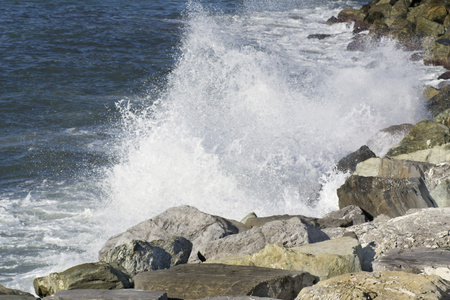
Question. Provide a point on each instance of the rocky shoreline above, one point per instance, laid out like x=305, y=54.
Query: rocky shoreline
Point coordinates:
x=389, y=240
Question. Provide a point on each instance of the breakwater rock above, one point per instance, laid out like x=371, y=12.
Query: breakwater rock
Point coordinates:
x=280, y=270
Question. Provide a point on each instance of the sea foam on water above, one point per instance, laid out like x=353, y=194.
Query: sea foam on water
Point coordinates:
x=255, y=116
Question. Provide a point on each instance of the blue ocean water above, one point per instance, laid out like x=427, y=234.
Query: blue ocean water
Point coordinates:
x=112, y=111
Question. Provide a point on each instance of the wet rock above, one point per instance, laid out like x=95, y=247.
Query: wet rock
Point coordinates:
x=319, y=36
x=13, y=294
x=184, y=221
x=383, y=140
x=90, y=294
x=440, y=102
x=196, y=281
x=379, y=285
x=416, y=260
x=139, y=256
x=324, y=259
x=348, y=163
x=85, y=276
x=291, y=232
x=445, y=75
x=350, y=15
x=426, y=27
x=429, y=92
x=423, y=135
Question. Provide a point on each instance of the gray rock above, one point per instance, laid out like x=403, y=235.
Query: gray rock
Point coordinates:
x=379, y=285
x=416, y=260
x=348, y=163
x=140, y=256
x=185, y=221
x=351, y=212
x=418, y=228
x=196, y=281
x=13, y=294
x=128, y=294
x=287, y=233
x=320, y=223
x=86, y=276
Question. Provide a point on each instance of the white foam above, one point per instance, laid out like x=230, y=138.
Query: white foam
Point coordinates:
x=253, y=119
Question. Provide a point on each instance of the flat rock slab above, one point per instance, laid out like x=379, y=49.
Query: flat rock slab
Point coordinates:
x=197, y=281
x=416, y=260
x=127, y=294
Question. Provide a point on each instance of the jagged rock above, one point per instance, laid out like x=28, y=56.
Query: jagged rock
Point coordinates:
x=443, y=118
x=383, y=140
x=351, y=212
x=86, y=276
x=429, y=92
x=416, y=260
x=419, y=228
x=350, y=15
x=435, y=155
x=324, y=259
x=13, y=294
x=386, y=186
x=139, y=256
x=438, y=53
x=196, y=281
x=348, y=163
x=379, y=285
x=425, y=27
x=287, y=233
x=185, y=221
x=127, y=294
x=423, y=135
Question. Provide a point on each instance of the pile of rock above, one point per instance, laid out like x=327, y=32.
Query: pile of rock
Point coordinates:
x=279, y=257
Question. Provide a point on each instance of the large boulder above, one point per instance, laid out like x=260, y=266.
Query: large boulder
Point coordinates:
x=85, y=276
x=184, y=221
x=13, y=294
x=379, y=285
x=416, y=260
x=126, y=294
x=348, y=163
x=325, y=259
x=386, y=186
x=418, y=228
x=287, y=233
x=140, y=256
x=441, y=102
x=424, y=135
x=196, y=281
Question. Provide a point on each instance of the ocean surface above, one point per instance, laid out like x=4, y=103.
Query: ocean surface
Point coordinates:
x=113, y=111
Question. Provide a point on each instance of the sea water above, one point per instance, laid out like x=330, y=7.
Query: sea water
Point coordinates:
x=112, y=112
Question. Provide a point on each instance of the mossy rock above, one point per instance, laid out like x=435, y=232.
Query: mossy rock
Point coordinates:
x=443, y=118
x=440, y=102
x=351, y=15
x=424, y=135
